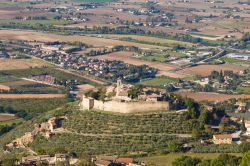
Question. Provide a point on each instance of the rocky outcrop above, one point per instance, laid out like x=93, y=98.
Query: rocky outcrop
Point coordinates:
x=46, y=129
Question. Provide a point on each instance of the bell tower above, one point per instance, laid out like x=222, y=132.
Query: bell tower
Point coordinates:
x=118, y=86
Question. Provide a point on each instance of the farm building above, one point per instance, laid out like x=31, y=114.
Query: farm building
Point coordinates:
x=222, y=139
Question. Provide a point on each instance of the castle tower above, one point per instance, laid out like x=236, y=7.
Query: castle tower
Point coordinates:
x=118, y=86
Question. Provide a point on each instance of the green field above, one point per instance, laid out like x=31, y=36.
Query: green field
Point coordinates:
x=166, y=160
x=243, y=90
x=158, y=81
x=35, y=22
x=204, y=35
x=13, y=121
x=235, y=61
x=159, y=58
x=7, y=79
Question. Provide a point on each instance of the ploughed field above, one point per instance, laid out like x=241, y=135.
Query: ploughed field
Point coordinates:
x=10, y=64
x=6, y=117
x=46, y=37
x=201, y=96
x=205, y=70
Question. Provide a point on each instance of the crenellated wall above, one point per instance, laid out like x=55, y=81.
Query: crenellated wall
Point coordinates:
x=124, y=107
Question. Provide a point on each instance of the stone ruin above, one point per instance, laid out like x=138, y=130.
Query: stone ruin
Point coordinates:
x=46, y=129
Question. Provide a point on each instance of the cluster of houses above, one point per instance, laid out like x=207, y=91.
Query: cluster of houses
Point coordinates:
x=233, y=137
x=46, y=159
x=240, y=107
x=106, y=69
x=64, y=158
x=9, y=55
x=224, y=82
x=242, y=56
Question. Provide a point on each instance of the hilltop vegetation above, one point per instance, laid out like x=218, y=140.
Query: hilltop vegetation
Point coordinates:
x=94, y=132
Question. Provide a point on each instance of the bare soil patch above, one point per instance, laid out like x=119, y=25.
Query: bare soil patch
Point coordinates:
x=4, y=87
x=205, y=70
x=46, y=37
x=18, y=83
x=201, y=96
x=5, y=117
x=11, y=64
x=85, y=87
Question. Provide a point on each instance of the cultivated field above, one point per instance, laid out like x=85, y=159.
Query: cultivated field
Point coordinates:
x=165, y=42
x=85, y=87
x=205, y=70
x=18, y=83
x=45, y=37
x=5, y=117
x=201, y=96
x=11, y=64
x=4, y=87
x=31, y=96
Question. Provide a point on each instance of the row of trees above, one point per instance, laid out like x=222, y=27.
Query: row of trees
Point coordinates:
x=221, y=160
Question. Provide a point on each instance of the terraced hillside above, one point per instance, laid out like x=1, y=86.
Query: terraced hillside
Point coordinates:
x=95, y=132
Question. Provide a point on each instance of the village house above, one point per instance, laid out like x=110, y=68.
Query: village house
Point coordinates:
x=247, y=125
x=242, y=107
x=33, y=160
x=222, y=139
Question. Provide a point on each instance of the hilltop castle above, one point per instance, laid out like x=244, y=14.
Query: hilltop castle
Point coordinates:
x=123, y=103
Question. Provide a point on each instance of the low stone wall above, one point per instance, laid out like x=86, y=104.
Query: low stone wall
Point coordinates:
x=126, y=107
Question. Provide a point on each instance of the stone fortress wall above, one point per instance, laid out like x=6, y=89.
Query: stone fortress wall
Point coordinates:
x=124, y=107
